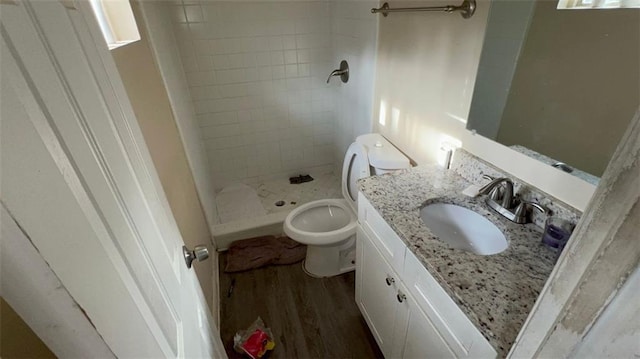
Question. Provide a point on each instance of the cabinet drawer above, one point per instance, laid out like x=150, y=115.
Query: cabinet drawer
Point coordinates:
x=381, y=234
x=453, y=325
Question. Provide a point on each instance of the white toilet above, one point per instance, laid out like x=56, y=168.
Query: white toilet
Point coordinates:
x=328, y=226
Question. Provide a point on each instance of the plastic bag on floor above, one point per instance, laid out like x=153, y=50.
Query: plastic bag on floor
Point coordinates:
x=255, y=341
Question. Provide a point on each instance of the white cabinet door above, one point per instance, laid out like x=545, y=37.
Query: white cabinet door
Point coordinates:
x=462, y=337
x=417, y=337
x=376, y=285
x=400, y=327
x=78, y=179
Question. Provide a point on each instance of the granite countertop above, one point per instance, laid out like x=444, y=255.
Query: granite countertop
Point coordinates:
x=496, y=292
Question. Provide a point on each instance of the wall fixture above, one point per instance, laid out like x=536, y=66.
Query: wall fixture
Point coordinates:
x=467, y=9
x=343, y=72
x=445, y=154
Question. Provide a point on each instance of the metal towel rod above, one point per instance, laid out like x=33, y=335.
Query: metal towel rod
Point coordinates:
x=467, y=9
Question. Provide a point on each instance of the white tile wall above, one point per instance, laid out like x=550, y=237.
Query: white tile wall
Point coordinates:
x=354, y=35
x=256, y=73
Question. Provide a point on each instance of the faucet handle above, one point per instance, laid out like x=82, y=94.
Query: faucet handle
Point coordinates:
x=497, y=193
x=521, y=209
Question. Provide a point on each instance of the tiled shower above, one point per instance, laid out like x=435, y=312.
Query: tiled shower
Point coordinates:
x=256, y=74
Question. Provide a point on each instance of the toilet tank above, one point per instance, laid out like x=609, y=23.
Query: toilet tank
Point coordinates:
x=383, y=156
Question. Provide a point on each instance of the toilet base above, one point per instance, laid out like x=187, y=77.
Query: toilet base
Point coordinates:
x=330, y=261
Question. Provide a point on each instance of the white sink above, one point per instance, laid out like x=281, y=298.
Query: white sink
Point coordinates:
x=463, y=228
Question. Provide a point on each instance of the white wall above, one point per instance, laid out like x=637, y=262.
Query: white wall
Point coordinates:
x=426, y=70
x=256, y=72
x=615, y=333
x=354, y=37
x=165, y=51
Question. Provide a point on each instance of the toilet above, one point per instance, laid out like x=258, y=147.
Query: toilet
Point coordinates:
x=328, y=226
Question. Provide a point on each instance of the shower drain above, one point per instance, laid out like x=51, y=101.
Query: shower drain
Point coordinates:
x=279, y=203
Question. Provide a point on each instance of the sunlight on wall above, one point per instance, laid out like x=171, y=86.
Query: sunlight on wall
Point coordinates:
x=428, y=139
x=395, y=119
x=382, y=118
x=432, y=143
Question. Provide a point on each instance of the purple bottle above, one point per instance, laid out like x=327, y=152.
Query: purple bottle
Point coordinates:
x=557, y=232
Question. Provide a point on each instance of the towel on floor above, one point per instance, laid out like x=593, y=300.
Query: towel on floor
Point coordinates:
x=260, y=251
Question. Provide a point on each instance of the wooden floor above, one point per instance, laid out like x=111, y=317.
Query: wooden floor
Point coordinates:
x=309, y=317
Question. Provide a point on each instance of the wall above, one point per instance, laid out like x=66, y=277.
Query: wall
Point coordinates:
x=427, y=64
x=576, y=86
x=257, y=72
x=615, y=333
x=151, y=105
x=17, y=340
x=354, y=37
x=165, y=50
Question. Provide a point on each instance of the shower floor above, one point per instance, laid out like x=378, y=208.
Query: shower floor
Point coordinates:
x=240, y=202
x=293, y=195
x=246, y=211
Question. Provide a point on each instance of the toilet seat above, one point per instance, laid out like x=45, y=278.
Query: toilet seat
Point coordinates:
x=354, y=167
x=305, y=224
x=321, y=223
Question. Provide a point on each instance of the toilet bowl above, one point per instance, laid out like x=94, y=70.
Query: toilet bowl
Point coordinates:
x=321, y=223
x=328, y=226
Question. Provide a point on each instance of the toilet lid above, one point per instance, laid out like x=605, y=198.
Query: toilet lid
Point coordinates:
x=355, y=166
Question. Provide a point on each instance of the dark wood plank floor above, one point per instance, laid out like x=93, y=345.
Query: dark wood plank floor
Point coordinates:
x=309, y=317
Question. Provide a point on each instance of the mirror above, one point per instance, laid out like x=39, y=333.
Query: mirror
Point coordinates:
x=560, y=86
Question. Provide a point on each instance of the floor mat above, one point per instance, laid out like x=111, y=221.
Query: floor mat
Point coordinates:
x=260, y=251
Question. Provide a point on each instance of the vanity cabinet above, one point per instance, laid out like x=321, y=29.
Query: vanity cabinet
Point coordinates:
x=376, y=287
x=408, y=312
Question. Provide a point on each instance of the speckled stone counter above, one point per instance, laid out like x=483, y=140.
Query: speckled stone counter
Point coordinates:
x=496, y=292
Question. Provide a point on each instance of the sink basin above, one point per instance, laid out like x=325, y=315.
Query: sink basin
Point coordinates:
x=463, y=228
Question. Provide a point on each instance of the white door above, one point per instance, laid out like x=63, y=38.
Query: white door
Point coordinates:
x=78, y=180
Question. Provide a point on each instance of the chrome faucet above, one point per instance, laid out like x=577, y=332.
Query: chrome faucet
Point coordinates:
x=501, y=199
x=493, y=190
x=343, y=72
